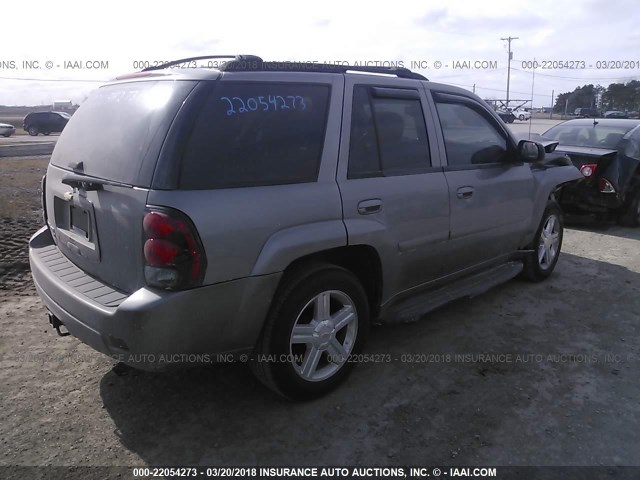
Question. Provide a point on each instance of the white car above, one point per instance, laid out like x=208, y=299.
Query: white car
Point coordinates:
x=522, y=115
x=7, y=130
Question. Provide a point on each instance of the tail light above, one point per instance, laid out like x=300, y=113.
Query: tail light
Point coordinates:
x=605, y=186
x=173, y=253
x=588, y=169
x=43, y=199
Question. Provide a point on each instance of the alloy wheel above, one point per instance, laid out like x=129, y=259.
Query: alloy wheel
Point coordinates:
x=549, y=241
x=323, y=335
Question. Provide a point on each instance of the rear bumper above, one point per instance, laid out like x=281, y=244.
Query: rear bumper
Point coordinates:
x=581, y=197
x=149, y=328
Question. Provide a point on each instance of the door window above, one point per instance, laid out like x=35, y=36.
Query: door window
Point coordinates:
x=469, y=137
x=388, y=135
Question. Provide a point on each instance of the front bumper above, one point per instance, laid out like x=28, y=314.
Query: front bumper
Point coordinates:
x=151, y=329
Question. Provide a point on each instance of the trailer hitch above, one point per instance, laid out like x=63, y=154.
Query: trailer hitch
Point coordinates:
x=53, y=320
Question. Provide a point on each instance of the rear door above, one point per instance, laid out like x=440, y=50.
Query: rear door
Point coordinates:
x=100, y=173
x=394, y=193
x=491, y=194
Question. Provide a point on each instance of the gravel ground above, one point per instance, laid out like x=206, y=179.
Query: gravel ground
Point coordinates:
x=527, y=374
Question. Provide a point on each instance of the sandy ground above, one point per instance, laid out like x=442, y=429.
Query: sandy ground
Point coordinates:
x=527, y=374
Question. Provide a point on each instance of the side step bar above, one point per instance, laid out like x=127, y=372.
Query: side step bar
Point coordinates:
x=412, y=308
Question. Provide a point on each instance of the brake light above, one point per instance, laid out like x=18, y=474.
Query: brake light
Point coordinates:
x=174, y=256
x=588, y=169
x=605, y=186
x=43, y=200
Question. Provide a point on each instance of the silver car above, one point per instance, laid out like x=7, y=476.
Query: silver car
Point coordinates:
x=6, y=130
x=270, y=212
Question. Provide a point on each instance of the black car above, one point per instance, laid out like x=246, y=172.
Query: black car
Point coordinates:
x=507, y=117
x=607, y=152
x=615, y=114
x=586, y=113
x=45, y=122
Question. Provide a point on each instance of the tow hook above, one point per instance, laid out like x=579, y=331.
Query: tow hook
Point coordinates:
x=53, y=320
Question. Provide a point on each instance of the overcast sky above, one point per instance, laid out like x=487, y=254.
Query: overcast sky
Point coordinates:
x=123, y=32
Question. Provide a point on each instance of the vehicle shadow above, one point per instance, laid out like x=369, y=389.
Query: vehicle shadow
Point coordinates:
x=606, y=227
x=419, y=401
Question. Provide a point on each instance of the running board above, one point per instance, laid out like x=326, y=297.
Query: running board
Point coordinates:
x=414, y=307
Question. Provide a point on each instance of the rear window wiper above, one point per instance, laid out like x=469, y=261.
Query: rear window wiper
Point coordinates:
x=83, y=182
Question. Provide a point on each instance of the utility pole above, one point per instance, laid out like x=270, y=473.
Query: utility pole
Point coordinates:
x=508, y=39
x=553, y=92
x=474, y=88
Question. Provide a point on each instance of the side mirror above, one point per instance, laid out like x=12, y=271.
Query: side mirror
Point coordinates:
x=530, y=152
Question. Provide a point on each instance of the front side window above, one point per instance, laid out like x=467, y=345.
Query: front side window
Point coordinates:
x=388, y=136
x=251, y=134
x=469, y=137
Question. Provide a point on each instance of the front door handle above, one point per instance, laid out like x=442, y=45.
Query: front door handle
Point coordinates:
x=367, y=207
x=465, y=192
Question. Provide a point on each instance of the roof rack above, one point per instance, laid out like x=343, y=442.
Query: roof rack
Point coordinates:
x=252, y=64
x=236, y=58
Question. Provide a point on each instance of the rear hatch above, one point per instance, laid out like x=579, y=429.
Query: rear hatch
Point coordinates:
x=100, y=174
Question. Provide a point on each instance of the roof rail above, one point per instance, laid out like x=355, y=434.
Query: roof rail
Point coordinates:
x=236, y=58
x=252, y=64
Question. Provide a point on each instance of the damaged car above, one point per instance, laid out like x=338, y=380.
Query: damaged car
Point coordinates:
x=273, y=211
x=607, y=153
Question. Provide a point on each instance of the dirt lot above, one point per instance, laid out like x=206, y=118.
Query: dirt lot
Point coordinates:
x=543, y=374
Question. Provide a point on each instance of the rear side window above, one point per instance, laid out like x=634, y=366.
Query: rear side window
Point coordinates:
x=252, y=134
x=388, y=136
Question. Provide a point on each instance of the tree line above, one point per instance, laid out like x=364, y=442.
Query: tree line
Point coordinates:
x=617, y=96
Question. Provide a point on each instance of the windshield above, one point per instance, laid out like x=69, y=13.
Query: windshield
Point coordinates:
x=588, y=135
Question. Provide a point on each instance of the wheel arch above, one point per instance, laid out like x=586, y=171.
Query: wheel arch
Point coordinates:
x=363, y=261
x=549, y=182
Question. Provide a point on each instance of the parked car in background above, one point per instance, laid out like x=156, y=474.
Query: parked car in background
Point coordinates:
x=607, y=152
x=506, y=115
x=45, y=122
x=615, y=114
x=634, y=114
x=587, y=113
x=521, y=115
x=6, y=130
x=277, y=209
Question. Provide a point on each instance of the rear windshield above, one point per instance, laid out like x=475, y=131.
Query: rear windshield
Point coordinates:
x=250, y=134
x=118, y=131
x=599, y=136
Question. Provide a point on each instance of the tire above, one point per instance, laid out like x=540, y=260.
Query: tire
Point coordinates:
x=303, y=370
x=6, y=135
x=546, y=244
x=46, y=133
x=631, y=216
x=33, y=131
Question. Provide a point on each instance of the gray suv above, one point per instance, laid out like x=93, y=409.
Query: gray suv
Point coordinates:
x=273, y=211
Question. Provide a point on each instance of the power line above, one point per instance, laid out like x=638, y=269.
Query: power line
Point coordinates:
x=52, y=80
x=578, y=78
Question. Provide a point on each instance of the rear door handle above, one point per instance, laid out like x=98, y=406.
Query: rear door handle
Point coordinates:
x=465, y=192
x=367, y=207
